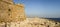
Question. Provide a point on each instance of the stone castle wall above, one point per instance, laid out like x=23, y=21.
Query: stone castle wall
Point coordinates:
x=11, y=24
x=10, y=12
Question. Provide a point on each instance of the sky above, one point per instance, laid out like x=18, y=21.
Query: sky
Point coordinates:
x=41, y=8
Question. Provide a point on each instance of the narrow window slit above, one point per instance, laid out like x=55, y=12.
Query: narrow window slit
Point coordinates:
x=9, y=9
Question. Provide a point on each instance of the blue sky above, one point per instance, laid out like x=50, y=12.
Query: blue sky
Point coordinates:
x=41, y=8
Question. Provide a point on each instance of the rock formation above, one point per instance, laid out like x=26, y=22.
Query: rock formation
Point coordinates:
x=39, y=22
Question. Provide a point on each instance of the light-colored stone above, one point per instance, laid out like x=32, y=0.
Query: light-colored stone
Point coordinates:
x=10, y=12
x=38, y=22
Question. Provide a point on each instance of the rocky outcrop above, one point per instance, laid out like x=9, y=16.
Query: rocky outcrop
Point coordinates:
x=39, y=22
x=32, y=22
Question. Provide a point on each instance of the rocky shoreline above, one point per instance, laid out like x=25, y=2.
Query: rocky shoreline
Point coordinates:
x=33, y=22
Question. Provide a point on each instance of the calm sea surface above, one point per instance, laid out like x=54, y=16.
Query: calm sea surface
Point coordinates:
x=55, y=19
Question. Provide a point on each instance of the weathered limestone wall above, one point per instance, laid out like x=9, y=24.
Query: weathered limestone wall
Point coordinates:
x=4, y=7
x=17, y=12
x=10, y=12
x=7, y=1
x=11, y=24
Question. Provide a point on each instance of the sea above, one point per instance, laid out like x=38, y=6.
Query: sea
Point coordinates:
x=55, y=19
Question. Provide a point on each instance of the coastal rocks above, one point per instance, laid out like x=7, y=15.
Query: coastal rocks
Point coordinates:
x=32, y=22
x=39, y=22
